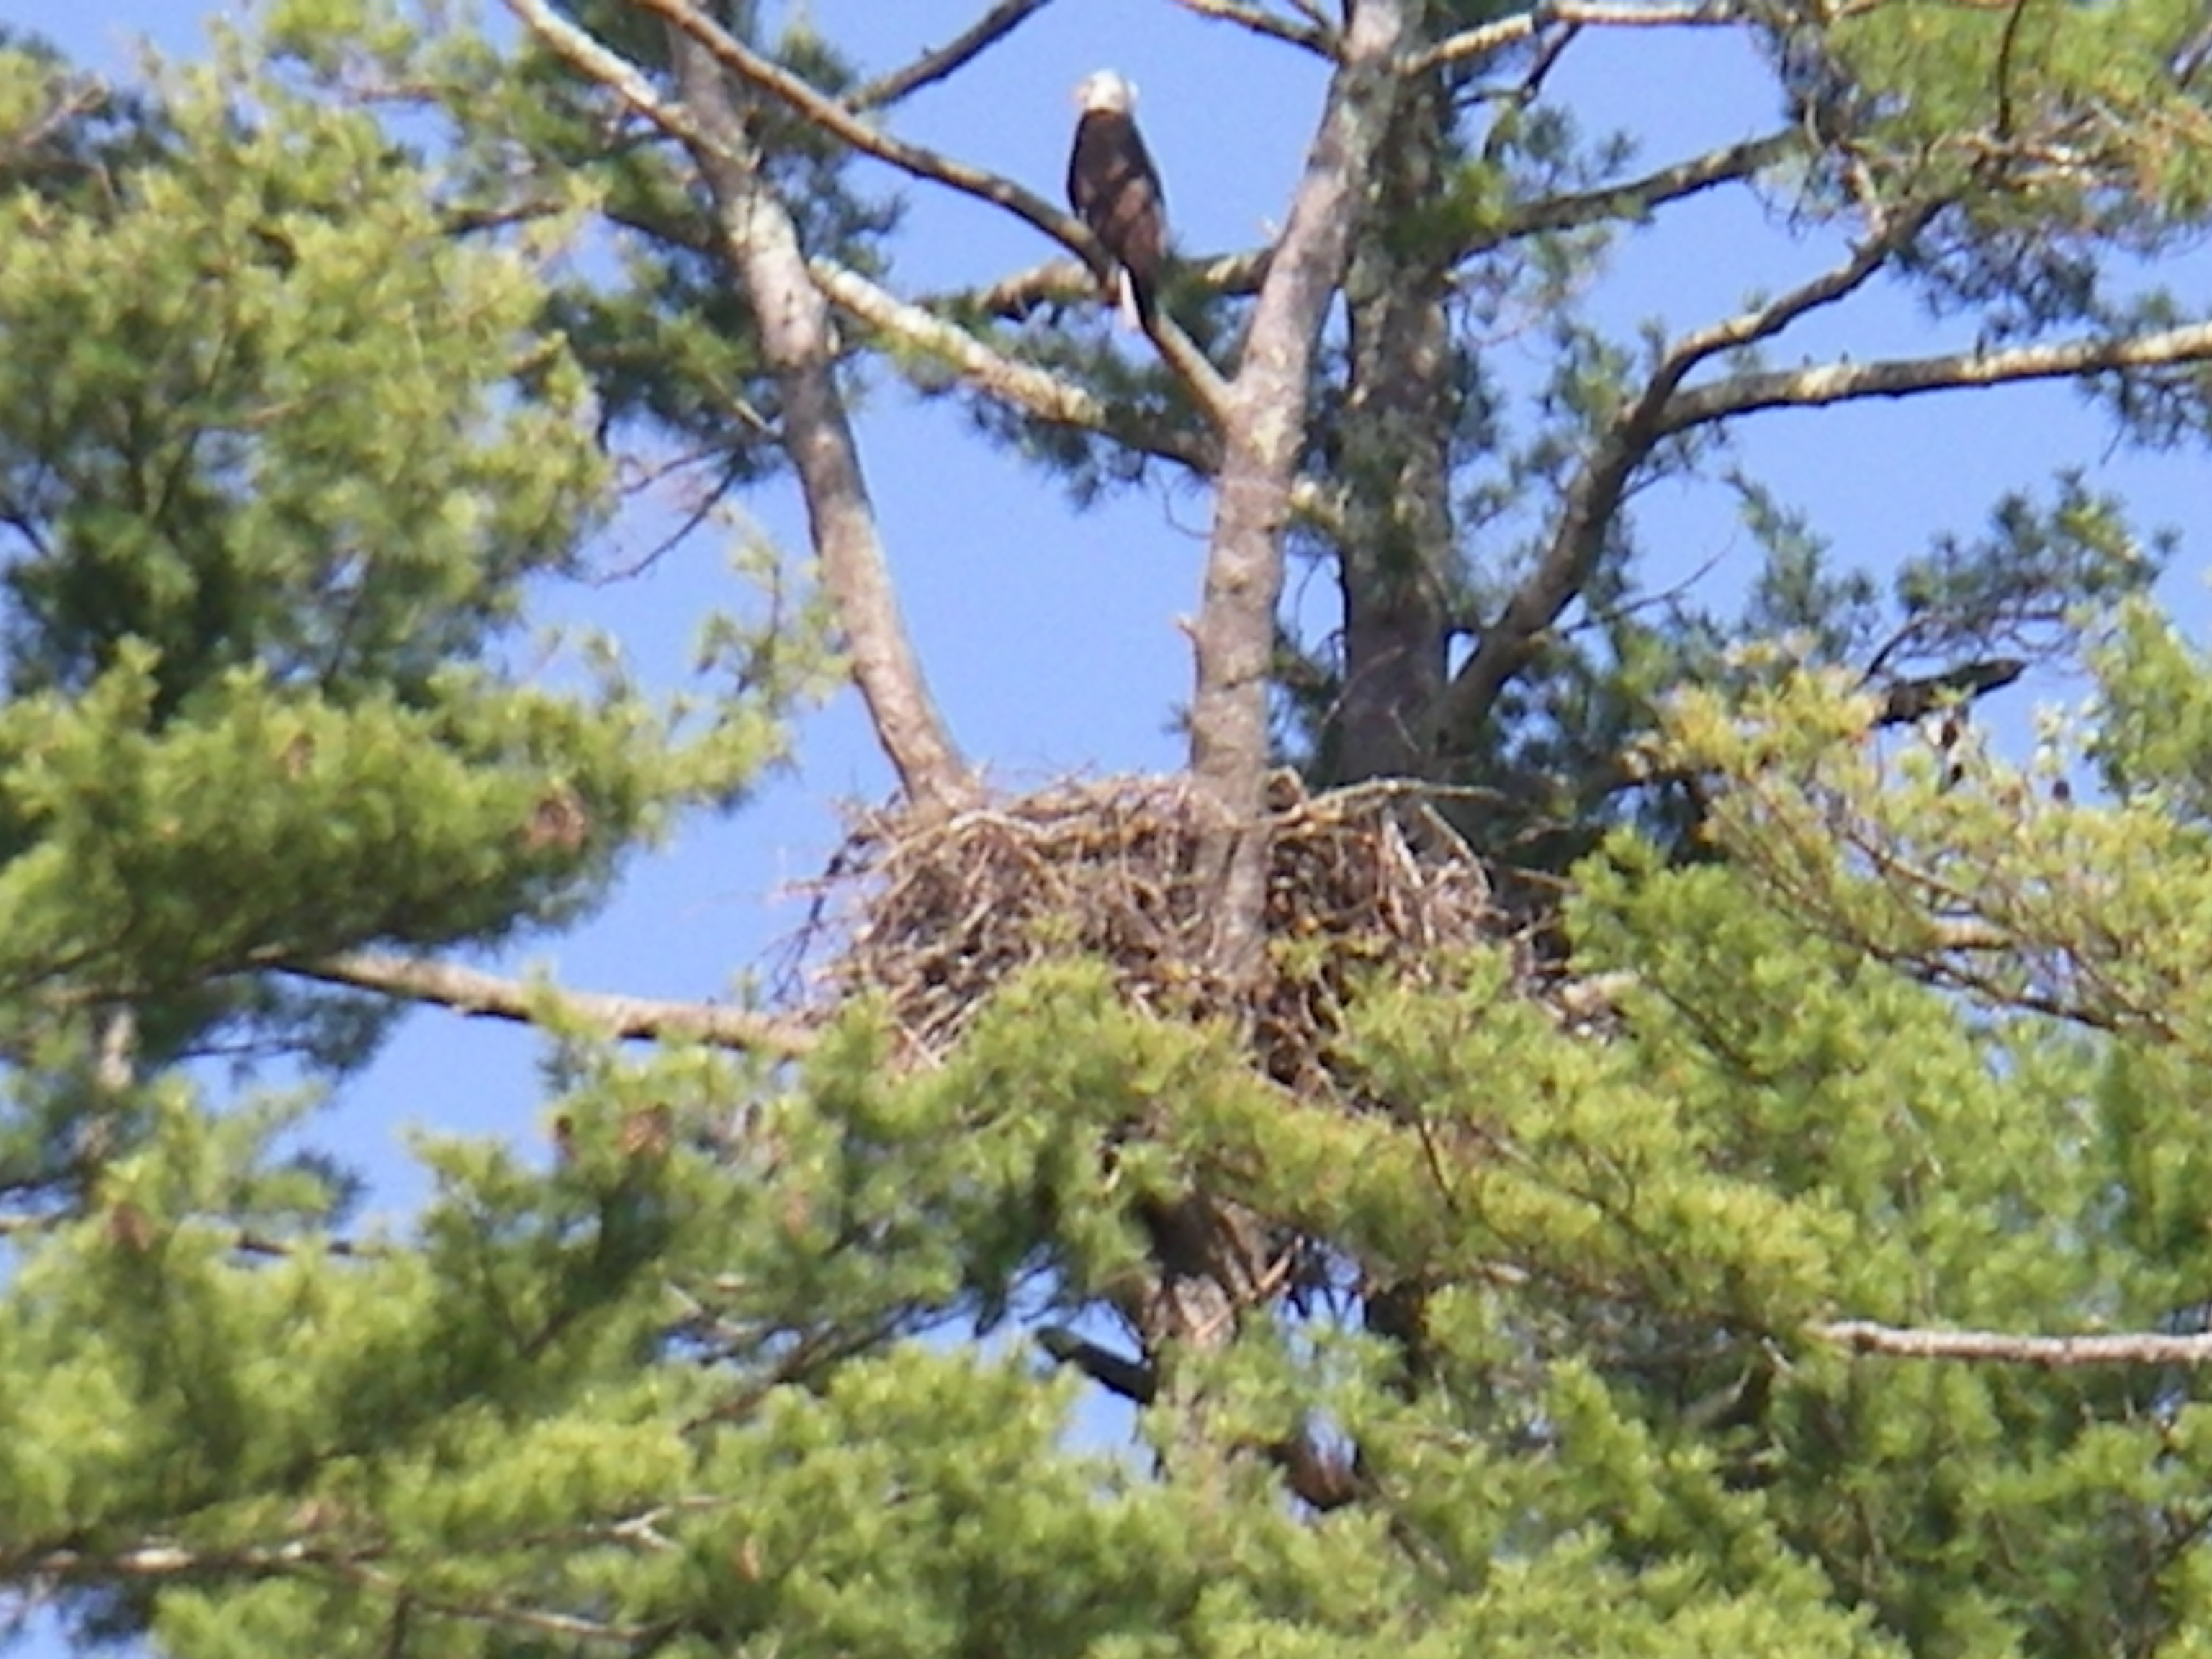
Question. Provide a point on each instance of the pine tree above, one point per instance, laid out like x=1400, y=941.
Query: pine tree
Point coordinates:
x=1567, y=1128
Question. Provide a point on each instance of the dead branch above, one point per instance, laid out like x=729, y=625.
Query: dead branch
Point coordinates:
x=1036, y=391
x=472, y=992
x=2118, y=1348
x=763, y=244
x=1011, y=381
x=1307, y=36
x=986, y=31
x=1481, y=41
x=1822, y=384
x=1235, y=634
x=752, y=70
x=704, y=35
x=1067, y=281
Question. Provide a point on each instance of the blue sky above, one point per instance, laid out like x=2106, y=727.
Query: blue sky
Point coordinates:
x=1050, y=635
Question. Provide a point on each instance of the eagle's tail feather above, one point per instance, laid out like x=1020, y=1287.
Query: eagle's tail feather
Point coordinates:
x=1132, y=303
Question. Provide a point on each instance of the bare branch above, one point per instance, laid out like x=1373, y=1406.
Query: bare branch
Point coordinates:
x=986, y=31
x=1184, y=358
x=1307, y=36
x=1488, y=38
x=472, y=992
x=1022, y=386
x=1067, y=281
x=2118, y=1348
x=75, y=99
x=1035, y=391
x=839, y=122
x=1235, y=634
x=796, y=339
x=1822, y=384
x=582, y=51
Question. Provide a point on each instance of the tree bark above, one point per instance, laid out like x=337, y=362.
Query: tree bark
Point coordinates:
x=1396, y=550
x=1266, y=429
x=796, y=339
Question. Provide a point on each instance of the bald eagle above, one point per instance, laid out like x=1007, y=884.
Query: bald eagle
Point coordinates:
x=1114, y=189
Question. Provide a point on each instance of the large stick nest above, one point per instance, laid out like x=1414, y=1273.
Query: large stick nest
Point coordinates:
x=938, y=912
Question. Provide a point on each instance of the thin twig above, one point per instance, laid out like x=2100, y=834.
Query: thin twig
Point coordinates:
x=1307, y=36
x=986, y=31
x=840, y=122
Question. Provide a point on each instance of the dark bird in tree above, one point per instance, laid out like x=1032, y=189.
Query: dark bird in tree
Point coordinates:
x=1114, y=189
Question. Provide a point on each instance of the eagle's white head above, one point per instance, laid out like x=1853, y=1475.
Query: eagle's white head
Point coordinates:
x=1106, y=93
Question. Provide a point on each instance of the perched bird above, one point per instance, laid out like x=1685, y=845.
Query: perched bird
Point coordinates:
x=1114, y=189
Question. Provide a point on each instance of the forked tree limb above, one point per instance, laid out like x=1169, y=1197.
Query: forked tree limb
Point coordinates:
x=703, y=36
x=1006, y=380
x=1041, y=394
x=1593, y=497
x=772, y=80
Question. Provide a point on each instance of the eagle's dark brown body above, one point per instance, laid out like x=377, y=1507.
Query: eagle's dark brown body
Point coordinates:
x=1114, y=189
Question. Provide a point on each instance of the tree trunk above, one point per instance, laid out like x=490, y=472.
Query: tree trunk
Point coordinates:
x=1395, y=453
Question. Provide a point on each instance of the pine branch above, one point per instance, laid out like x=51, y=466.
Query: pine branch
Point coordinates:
x=1632, y=198
x=472, y=992
x=304, y=1558
x=1822, y=384
x=986, y=31
x=2118, y=1348
x=1595, y=496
